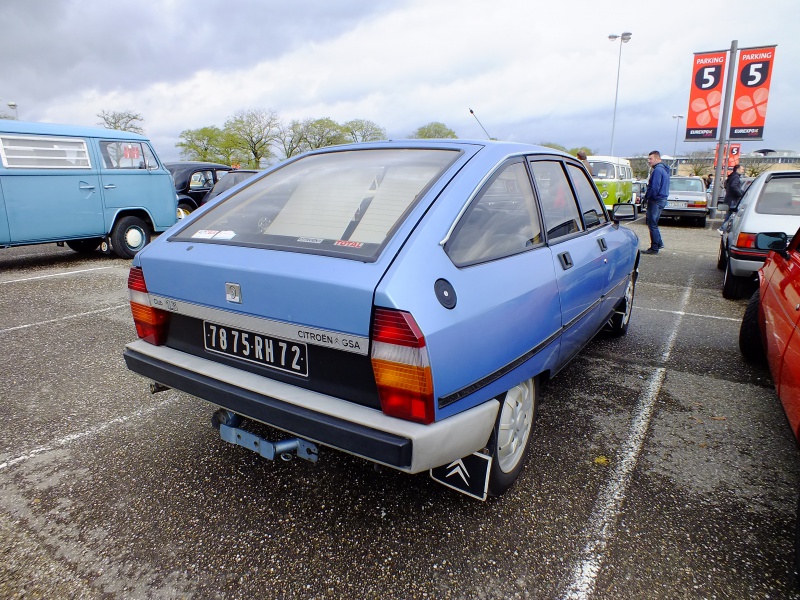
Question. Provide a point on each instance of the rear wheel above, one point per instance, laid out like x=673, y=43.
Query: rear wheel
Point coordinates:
x=185, y=207
x=85, y=246
x=722, y=257
x=701, y=221
x=750, y=344
x=130, y=234
x=512, y=434
x=732, y=286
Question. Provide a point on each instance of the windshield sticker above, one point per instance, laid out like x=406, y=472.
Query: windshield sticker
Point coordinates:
x=225, y=235
x=309, y=240
x=205, y=234
x=348, y=244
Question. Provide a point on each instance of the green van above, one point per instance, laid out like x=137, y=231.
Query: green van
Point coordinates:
x=614, y=179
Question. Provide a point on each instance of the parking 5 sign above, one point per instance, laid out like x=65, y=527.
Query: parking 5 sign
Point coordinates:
x=705, y=97
x=751, y=93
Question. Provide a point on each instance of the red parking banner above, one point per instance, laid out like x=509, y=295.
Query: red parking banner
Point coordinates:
x=751, y=93
x=705, y=95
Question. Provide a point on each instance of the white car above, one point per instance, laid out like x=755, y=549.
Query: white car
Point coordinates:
x=771, y=204
x=687, y=198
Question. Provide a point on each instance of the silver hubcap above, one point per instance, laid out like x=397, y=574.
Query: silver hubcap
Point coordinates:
x=516, y=419
x=134, y=237
x=628, y=301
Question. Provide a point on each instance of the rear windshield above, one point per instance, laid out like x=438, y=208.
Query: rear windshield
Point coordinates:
x=780, y=196
x=345, y=203
x=686, y=185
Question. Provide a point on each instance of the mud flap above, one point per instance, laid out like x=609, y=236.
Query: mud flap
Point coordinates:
x=468, y=475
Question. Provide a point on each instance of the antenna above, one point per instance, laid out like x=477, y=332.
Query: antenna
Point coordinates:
x=472, y=112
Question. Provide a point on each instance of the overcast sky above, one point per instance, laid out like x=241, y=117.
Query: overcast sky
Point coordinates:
x=532, y=70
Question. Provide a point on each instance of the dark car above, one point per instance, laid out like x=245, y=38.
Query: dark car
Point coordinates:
x=399, y=301
x=231, y=179
x=193, y=180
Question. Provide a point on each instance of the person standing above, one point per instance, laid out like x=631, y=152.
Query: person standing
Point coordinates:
x=733, y=194
x=656, y=197
x=584, y=160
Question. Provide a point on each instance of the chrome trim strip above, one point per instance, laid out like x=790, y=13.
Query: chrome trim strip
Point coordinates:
x=297, y=333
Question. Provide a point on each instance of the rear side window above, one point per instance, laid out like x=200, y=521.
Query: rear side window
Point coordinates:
x=345, y=203
x=501, y=220
x=126, y=155
x=559, y=209
x=780, y=196
x=37, y=152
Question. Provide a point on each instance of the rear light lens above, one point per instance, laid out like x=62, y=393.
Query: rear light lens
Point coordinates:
x=697, y=205
x=151, y=323
x=746, y=240
x=400, y=364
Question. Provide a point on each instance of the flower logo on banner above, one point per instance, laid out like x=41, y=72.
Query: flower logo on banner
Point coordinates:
x=707, y=108
x=753, y=107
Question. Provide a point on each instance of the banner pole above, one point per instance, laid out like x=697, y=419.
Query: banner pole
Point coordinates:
x=724, y=123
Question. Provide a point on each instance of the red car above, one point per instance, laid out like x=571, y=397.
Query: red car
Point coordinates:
x=771, y=329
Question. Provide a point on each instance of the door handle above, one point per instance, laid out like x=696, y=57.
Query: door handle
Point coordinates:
x=110, y=186
x=566, y=260
x=602, y=242
x=85, y=186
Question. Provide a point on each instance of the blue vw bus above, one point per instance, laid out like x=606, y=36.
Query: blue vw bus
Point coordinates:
x=83, y=186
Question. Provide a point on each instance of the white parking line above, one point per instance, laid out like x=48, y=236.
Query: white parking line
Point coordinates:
x=142, y=412
x=64, y=274
x=85, y=314
x=682, y=313
x=608, y=505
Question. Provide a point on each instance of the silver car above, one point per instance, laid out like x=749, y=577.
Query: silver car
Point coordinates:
x=687, y=199
x=771, y=204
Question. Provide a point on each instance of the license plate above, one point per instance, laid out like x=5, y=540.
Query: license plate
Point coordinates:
x=676, y=204
x=265, y=350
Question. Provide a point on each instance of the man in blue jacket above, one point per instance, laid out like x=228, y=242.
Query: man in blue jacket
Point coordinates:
x=656, y=196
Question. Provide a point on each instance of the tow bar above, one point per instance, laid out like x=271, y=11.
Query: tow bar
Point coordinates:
x=227, y=423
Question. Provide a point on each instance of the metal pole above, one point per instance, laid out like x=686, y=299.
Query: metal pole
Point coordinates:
x=723, y=128
x=677, y=128
x=616, y=95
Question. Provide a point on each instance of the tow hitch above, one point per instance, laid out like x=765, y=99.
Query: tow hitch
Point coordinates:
x=228, y=422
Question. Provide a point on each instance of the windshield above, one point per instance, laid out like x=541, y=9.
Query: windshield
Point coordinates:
x=345, y=203
x=602, y=170
x=678, y=184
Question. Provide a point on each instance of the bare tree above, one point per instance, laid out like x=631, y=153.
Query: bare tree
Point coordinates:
x=754, y=168
x=320, y=133
x=291, y=139
x=125, y=120
x=361, y=130
x=700, y=162
x=255, y=131
x=640, y=167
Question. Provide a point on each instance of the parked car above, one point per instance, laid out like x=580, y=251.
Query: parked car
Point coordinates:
x=225, y=183
x=639, y=190
x=193, y=180
x=687, y=199
x=771, y=326
x=85, y=187
x=771, y=203
x=399, y=301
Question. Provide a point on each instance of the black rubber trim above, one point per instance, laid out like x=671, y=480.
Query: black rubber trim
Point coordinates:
x=357, y=439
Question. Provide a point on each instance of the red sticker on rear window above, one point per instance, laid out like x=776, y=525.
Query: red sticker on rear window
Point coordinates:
x=348, y=244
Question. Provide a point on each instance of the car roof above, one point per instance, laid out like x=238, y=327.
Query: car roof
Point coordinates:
x=182, y=170
x=36, y=128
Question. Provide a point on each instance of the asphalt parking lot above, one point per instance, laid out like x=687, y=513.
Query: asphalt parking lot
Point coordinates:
x=662, y=466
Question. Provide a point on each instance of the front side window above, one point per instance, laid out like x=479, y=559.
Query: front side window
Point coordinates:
x=559, y=209
x=345, y=203
x=201, y=179
x=36, y=152
x=591, y=207
x=124, y=155
x=501, y=220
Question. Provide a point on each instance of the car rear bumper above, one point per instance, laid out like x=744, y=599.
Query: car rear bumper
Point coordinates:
x=684, y=212
x=358, y=430
x=745, y=265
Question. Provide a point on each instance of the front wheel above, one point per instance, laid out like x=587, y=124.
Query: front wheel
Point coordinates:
x=512, y=434
x=618, y=324
x=750, y=344
x=130, y=234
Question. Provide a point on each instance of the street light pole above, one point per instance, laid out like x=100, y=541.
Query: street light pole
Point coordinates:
x=677, y=127
x=624, y=38
x=13, y=106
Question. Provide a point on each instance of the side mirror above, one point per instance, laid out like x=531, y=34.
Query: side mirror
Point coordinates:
x=772, y=241
x=623, y=212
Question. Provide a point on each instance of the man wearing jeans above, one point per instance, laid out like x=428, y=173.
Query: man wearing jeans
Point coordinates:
x=656, y=196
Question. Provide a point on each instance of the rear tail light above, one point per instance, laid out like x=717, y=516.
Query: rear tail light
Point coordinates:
x=400, y=364
x=698, y=204
x=746, y=240
x=151, y=323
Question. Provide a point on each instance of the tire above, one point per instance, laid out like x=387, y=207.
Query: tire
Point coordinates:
x=511, y=437
x=701, y=221
x=722, y=256
x=732, y=286
x=750, y=344
x=84, y=246
x=186, y=207
x=618, y=324
x=130, y=234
